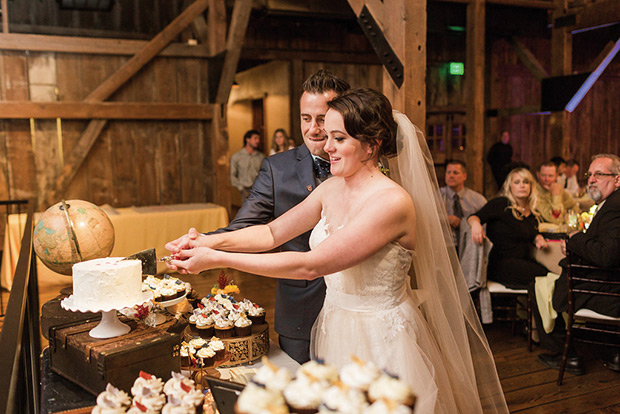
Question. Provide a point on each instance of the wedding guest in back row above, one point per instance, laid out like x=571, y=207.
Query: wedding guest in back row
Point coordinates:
x=279, y=142
x=572, y=182
x=512, y=226
x=553, y=201
x=245, y=163
x=459, y=200
x=499, y=156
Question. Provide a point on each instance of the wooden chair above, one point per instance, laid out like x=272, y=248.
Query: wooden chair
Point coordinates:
x=510, y=312
x=577, y=319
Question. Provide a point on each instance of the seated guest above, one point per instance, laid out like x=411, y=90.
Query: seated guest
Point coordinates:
x=459, y=200
x=512, y=226
x=571, y=186
x=598, y=246
x=553, y=201
x=560, y=163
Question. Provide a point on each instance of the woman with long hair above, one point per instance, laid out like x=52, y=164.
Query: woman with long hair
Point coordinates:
x=512, y=226
x=279, y=142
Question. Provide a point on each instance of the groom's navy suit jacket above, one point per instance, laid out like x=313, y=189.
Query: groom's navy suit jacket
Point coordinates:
x=284, y=180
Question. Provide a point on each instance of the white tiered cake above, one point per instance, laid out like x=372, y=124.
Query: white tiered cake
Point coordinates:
x=110, y=282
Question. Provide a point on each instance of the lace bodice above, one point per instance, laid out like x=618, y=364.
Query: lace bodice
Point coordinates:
x=382, y=278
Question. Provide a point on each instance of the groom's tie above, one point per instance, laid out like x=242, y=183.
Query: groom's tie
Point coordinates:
x=321, y=168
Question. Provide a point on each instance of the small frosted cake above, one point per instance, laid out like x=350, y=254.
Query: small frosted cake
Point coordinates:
x=257, y=399
x=110, y=282
x=391, y=389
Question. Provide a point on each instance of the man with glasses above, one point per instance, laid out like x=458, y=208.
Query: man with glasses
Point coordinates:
x=598, y=246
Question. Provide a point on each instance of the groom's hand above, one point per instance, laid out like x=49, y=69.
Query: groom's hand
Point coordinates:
x=193, y=260
x=184, y=241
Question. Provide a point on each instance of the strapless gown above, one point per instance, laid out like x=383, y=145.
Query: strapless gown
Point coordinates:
x=371, y=311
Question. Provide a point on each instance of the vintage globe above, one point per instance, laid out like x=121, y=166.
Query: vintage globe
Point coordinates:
x=80, y=232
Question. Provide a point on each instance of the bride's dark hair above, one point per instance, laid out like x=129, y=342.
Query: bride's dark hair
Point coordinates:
x=367, y=116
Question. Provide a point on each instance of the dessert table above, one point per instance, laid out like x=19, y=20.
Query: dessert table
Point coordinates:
x=135, y=229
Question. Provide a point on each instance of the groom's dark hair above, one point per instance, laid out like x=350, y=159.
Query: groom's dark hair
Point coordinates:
x=323, y=81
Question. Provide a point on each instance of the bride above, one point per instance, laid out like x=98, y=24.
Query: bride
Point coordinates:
x=367, y=230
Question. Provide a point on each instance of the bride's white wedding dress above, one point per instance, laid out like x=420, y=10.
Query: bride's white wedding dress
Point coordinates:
x=371, y=311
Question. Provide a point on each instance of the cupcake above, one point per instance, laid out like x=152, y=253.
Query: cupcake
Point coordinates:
x=146, y=382
x=112, y=401
x=219, y=347
x=168, y=293
x=180, y=287
x=192, y=323
x=256, y=314
x=340, y=398
x=359, y=374
x=387, y=407
x=324, y=373
x=175, y=406
x=204, y=326
x=197, y=342
x=271, y=376
x=243, y=326
x=304, y=394
x=255, y=399
x=183, y=391
x=148, y=400
x=223, y=328
x=206, y=356
x=185, y=354
x=391, y=389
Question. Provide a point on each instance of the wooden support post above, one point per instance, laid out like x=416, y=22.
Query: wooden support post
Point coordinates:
x=404, y=24
x=217, y=26
x=5, y=16
x=112, y=84
x=219, y=149
x=528, y=59
x=561, y=64
x=474, y=73
x=236, y=34
x=297, y=78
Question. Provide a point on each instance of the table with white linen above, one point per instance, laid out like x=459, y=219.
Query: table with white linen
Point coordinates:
x=135, y=229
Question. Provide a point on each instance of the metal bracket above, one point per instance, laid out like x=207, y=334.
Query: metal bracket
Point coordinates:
x=382, y=48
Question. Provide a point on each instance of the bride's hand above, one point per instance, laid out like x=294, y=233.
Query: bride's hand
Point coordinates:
x=194, y=260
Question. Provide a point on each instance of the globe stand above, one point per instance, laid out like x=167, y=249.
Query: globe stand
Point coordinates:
x=109, y=327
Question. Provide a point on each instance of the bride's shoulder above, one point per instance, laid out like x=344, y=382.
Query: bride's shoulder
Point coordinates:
x=394, y=195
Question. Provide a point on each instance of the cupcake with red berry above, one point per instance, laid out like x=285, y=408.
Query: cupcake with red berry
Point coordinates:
x=256, y=314
x=243, y=326
x=223, y=328
x=112, y=401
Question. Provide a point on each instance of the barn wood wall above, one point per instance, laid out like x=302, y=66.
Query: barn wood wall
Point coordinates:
x=132, y=162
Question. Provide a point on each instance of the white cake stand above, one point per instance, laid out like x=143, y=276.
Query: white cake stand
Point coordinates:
x=159, y=318
x=110, y=326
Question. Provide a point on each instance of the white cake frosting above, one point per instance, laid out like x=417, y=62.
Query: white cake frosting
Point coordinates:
x=109, y=282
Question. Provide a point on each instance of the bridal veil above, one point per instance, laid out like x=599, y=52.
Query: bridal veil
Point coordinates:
x=439, y=283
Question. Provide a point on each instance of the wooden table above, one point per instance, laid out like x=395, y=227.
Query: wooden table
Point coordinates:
x=135, y=229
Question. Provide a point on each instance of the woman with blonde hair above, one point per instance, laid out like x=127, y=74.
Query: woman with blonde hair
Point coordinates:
x=279, y=143
x=512, y=226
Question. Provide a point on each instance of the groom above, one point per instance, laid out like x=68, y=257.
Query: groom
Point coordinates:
x=284, y=180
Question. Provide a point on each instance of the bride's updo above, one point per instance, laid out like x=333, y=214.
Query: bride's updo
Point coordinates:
x=367, y=116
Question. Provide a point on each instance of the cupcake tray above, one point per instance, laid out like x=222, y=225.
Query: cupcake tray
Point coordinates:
x=244, y=349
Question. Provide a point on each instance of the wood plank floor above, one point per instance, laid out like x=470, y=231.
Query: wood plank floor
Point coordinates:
x=529, y=387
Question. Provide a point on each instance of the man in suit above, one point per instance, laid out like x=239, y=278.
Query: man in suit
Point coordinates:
x=284, y=180
x=598, y=246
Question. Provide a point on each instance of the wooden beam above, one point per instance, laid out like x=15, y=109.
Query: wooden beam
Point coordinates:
x=89, y=45
x=5, y=16
x=104, y=110
x=310, y=56
x=296, y=80
x=234, y=43
x=217, y=27
x=521, y=110
x=474, y=86
x=530, y=4
x=561, y=64
x=590, y=15
x=528, y=59
x=110, y=85
x=148, y=52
